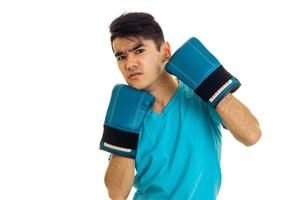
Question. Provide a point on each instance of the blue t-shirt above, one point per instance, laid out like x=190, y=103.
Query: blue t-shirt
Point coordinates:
x=178, y=155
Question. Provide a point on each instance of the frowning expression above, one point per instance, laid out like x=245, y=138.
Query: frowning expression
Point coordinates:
x=139, y=61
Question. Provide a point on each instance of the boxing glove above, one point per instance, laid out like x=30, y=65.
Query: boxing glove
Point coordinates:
x=202, y=72
x=126, y=110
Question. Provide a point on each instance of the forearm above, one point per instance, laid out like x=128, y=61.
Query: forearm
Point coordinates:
x=239, y=120
x=119, y=177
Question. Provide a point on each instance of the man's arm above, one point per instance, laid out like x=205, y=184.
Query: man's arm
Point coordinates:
x=205, y=75
x=126, y=111
x=119, y=177
x=238, y=119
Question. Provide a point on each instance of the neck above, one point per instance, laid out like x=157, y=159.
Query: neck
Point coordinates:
x=163, y=90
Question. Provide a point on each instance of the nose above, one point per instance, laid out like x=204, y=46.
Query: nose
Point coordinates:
x=131, y=63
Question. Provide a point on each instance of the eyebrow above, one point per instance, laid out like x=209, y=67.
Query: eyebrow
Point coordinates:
x=135, y=47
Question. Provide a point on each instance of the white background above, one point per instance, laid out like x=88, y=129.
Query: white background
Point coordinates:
x=57, y=72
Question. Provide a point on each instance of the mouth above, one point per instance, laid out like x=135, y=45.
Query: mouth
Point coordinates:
x=134, y=76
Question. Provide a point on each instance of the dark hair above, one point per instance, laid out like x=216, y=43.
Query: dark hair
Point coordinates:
x=137, y=24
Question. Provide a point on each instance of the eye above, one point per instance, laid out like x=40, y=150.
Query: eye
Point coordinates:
x=139, y=51
x=122, y=57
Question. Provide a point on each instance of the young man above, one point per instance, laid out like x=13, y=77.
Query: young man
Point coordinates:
x=166, y=127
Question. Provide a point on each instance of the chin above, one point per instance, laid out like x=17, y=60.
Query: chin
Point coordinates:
x=139, y=87
x=136, y=86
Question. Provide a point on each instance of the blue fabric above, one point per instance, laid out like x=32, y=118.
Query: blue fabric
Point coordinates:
x=179, y=151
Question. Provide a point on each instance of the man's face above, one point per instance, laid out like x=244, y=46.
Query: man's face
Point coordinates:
x=139, y=61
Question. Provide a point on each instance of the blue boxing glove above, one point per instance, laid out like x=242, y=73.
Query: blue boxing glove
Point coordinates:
x=202, y=72
x=126, y=111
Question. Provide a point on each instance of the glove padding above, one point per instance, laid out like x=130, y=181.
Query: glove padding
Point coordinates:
x=202, y=72
x=126, y=111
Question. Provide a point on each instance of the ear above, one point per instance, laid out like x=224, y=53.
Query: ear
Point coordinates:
x=166, y=51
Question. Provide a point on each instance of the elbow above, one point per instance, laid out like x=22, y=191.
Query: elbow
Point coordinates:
x=252, y=137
